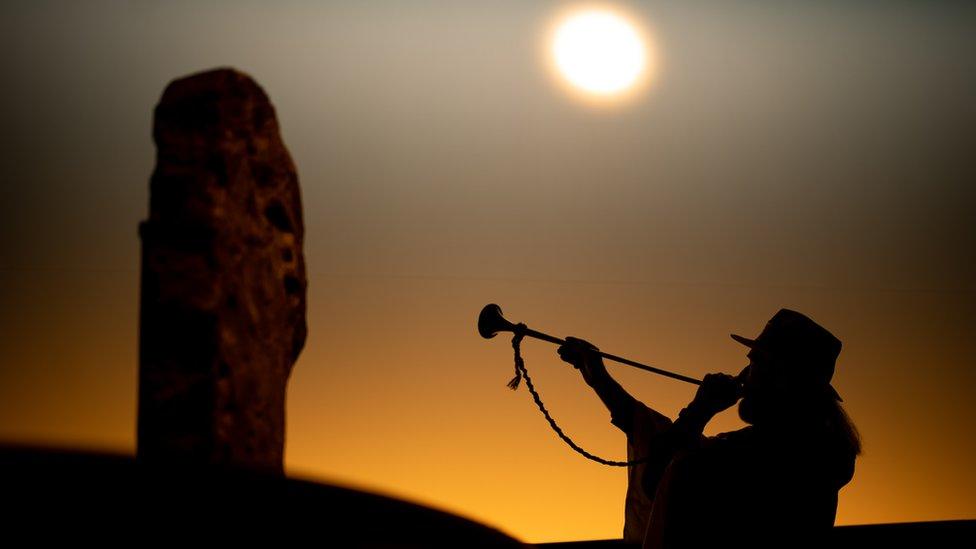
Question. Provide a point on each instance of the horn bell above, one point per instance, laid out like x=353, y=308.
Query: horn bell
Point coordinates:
x=491, y=321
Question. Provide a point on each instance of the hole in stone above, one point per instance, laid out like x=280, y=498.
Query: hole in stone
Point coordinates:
x=292, y=285
x=223, y=370
x=278, y=217
x=286, y=255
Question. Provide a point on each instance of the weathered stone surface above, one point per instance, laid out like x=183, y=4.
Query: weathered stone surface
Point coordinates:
x=223, y=278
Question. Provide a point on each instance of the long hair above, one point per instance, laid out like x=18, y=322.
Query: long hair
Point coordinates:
x=790, y=409
x=843, y=427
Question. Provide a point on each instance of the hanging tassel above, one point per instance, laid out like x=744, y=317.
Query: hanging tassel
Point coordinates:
x=519, y=363
x=514, y=383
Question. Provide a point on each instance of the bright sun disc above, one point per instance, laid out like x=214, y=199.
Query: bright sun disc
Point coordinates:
x=599, y=52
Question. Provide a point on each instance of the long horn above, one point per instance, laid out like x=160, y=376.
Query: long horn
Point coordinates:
x=491, y=321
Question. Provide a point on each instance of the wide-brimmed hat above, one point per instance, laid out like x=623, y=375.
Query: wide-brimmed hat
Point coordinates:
x=807, y=348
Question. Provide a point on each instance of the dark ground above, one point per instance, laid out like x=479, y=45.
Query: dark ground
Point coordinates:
x=64, y=495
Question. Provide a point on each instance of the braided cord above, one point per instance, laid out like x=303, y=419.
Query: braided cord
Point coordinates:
x=521, y=372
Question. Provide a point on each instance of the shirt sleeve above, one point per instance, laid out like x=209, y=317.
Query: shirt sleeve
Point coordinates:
x=643, y=425
x=637, y=420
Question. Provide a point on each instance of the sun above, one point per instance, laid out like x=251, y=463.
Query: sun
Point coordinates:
x=599, y=52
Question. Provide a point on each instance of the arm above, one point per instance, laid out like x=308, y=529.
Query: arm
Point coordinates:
x=716, y=393
x=619, y=402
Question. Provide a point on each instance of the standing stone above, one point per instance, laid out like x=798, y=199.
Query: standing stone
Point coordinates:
x=223, y=278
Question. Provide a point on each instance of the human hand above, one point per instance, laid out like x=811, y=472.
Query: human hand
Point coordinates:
x=717, y=393
x=584, y=356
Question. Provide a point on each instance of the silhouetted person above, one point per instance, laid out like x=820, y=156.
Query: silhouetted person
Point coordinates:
x=773, y=483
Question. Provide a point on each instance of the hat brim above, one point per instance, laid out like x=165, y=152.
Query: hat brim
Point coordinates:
x=752, y=344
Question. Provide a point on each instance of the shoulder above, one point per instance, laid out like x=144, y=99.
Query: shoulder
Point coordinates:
x=746, y=433
x=722, y=451
x=645, y=414
x=747, y=436
x=640, y=421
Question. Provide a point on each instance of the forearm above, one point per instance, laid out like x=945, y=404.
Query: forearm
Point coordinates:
x=614, y=397
x=717, y=392
x=691, y=422
x=685, y=433
x=586, y=358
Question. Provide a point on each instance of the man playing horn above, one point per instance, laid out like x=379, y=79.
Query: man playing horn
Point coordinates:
x=774, y=482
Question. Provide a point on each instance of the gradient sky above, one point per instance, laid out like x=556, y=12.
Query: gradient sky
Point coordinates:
x=811, y=155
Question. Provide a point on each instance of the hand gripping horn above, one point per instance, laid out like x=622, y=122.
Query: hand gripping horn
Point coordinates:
x=491, y=321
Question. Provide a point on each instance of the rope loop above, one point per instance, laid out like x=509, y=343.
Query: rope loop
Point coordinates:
x=522, y=372
x=519, y=363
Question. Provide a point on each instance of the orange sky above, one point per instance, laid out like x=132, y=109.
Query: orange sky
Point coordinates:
x=817, y=159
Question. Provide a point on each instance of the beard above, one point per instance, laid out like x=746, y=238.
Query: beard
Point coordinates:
x=769, y=409
x=747, y=410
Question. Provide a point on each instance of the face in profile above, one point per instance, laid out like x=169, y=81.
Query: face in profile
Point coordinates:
x=756, y=387
x=771, y=395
